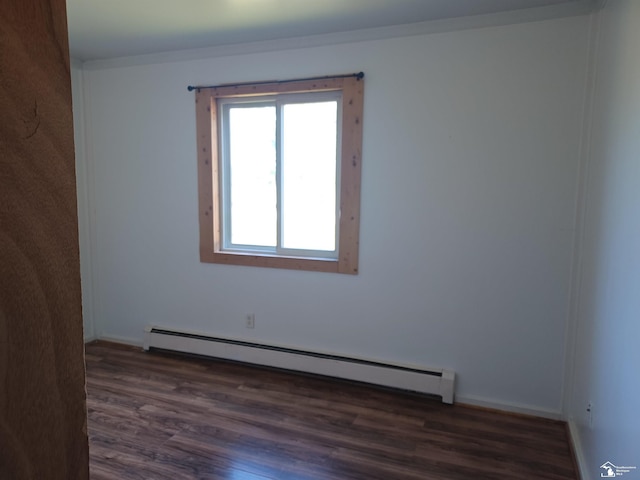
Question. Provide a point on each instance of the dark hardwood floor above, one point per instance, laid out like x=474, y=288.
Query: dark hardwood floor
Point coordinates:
x=159, y=416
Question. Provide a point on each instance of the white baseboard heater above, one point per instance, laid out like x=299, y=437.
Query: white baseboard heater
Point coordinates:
x=435, y=381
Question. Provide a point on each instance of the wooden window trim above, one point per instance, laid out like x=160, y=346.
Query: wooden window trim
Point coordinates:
x=352, y=88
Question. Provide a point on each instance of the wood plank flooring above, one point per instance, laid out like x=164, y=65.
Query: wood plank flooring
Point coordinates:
x=160, y=416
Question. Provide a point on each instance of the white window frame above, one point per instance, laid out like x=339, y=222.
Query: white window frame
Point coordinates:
x=278, y=101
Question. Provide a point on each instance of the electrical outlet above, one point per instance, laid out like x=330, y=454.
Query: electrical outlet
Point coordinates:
x=590, y=414
x=250, y=320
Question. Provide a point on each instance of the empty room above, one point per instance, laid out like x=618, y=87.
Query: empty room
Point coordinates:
x=365, y=239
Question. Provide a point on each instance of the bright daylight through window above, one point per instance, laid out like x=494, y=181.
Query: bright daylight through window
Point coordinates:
x=279, y=173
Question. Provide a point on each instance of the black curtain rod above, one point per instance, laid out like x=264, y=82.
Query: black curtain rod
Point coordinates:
x=358, y=75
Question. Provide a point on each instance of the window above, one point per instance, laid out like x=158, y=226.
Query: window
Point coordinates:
x=279, y=173
x=278, y=190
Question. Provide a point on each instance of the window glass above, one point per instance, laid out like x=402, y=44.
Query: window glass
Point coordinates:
x=309, y=176
x=252, y=176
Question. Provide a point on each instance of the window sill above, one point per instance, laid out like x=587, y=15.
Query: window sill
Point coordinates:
x=328, y=265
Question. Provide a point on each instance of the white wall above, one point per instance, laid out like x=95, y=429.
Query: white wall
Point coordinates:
x=470, y=162
x=607, y=371
x=84, y=220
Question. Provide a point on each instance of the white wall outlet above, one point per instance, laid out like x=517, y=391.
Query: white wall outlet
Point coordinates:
x=250, y=320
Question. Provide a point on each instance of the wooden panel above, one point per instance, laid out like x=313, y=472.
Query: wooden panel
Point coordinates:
x=272, y=261
x=42, y=396
x=207, y=166
x=352, y=104
x=167, y=417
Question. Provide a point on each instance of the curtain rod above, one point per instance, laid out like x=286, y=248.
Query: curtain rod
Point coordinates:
x=358, y=75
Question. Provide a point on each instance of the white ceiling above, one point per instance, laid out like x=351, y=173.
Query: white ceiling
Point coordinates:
x=101, y=29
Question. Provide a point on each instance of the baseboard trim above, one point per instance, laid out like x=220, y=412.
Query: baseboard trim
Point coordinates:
x=577, y=451
x=121, y=340
x=417, y=378
x=115, y=345
x=520, y=409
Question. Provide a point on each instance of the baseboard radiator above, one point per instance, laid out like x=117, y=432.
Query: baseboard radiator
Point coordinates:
x=437, y=381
